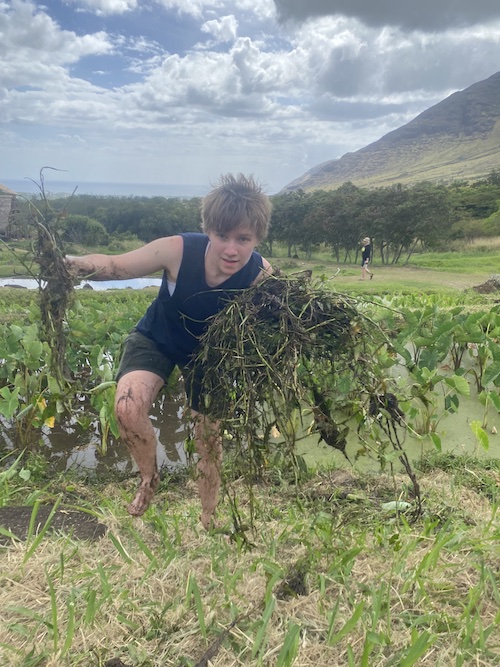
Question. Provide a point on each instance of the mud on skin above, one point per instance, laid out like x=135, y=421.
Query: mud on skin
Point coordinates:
x=138, y=446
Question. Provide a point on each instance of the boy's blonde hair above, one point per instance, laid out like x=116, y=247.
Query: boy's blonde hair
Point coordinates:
x=236, y=201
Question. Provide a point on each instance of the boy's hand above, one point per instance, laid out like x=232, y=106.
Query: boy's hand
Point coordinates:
x=71, y=263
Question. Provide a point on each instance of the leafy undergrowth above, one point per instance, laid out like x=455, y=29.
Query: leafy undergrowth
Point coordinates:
x=329, y=574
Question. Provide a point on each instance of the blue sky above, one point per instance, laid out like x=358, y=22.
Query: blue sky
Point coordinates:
x=181, y=91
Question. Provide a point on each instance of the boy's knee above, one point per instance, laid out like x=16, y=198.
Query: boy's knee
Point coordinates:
x=128, y=409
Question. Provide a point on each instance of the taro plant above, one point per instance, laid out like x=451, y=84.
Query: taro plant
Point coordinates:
x=433, y=395
x=424, y=340
x=484, y=353
x=31, y=397
x=439, y=350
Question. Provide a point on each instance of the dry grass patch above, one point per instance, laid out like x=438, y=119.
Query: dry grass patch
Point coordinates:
x=331, y=579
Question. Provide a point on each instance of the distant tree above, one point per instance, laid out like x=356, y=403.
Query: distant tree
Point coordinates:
x=386, y=219
x=399, y=218
x=313, y=230
x=494, y=178
x=350, y=219
x=491, y=226
x=83, y=230
x=146, y=217
x=476, y=201
x=289, y=213
x=431, y=216
x=342, y=219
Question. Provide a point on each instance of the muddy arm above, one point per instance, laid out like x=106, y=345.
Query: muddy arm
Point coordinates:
x=162, y=254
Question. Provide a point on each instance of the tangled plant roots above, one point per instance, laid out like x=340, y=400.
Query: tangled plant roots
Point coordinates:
x=284, y=350
x=54, y=280
x=56, y=291
x=272, y=352
x=266, y=341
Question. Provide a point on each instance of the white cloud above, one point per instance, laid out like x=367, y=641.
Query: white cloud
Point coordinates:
x=321, y=66
x=29, y=38
x=350, y=61
x=224, y=29
x=260, y=9
x=106, y=7
x=194, y=8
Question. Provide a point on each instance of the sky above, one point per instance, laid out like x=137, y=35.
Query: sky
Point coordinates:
x=179, y=92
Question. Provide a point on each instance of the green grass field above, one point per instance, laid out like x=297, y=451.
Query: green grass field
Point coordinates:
x=443, y=273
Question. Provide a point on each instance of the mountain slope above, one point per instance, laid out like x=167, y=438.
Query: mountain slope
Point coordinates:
x=458, y=138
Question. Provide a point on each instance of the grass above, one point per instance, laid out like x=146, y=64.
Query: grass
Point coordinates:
x=330, y=579
x=462, y=268
x=473, y=262
x=390, y=280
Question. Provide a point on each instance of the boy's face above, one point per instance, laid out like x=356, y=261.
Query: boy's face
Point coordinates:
x=232, y=250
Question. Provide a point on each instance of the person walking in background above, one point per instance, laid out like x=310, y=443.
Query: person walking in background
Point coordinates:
x=366, y=256
x=201, y=273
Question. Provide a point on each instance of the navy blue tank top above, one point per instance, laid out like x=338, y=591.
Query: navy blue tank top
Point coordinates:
x=176, y=322
x=366, y=253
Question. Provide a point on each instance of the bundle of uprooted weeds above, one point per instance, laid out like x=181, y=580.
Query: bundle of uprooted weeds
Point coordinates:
x=55, y=291
x=276, y=349
x=289, y=358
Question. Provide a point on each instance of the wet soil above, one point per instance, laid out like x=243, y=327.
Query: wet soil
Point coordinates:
x=76, y=523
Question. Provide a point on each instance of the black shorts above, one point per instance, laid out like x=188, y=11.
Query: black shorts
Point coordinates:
x=141, y=354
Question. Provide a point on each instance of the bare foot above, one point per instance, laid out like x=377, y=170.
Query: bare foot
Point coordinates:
x=143, y=497
x=208, y=521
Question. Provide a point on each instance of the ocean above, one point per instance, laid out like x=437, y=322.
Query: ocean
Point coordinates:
x=52, y=187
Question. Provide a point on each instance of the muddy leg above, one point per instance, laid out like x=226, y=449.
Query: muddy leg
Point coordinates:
x=143, y=496
x=209, y=450
x=135, y=394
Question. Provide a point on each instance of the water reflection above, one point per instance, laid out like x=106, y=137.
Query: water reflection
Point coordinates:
x=72, y=447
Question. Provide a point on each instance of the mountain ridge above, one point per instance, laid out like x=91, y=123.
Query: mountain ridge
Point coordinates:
x=456, y=139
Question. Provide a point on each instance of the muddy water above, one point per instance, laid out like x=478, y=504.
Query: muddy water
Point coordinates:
x=454, y=430
x=81, y=450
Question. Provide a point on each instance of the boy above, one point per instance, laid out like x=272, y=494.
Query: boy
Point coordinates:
x=201, y=272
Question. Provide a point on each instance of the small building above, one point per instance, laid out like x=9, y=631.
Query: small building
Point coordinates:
x=8, y=207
